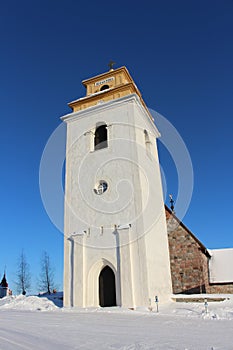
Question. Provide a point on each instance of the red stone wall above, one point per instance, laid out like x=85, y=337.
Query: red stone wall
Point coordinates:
x=189, y=262
x=223, y=288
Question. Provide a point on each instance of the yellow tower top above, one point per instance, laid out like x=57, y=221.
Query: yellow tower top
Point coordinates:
x=108, y=86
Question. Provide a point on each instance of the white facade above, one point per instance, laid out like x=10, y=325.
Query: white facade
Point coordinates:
x=123, y=228
x=220, y=265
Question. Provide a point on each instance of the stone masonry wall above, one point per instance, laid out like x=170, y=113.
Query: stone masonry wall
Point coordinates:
x=222, y=288
x=189, y=265
x=189, y=261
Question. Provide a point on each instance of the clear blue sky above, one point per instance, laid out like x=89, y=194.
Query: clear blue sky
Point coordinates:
x=180, y=55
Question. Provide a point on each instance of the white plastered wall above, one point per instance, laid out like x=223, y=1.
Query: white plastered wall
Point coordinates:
x=139, y=255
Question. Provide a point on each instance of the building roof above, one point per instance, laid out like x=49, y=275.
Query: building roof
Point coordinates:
x=117, y=83
x=220, y=266
x=4, y=283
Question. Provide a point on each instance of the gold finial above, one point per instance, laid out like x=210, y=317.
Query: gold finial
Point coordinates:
x=111, y=64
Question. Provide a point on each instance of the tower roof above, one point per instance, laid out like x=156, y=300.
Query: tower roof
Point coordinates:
x=107, y=86
x=4, y=283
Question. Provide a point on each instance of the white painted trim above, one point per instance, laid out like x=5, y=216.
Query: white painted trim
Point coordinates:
x=107, y=105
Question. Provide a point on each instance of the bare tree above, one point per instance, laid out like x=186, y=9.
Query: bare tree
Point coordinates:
x=23, y=281
x=47, y=274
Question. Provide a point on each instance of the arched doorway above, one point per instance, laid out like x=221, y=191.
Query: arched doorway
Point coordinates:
x=107, y=287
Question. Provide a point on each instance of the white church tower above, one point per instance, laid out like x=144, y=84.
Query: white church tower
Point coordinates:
x=115, y=235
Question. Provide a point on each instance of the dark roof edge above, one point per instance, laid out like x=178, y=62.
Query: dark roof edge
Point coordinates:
x=203, y=248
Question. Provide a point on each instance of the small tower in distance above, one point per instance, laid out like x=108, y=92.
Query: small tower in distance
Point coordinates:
x=115, y=234
x=3, y=287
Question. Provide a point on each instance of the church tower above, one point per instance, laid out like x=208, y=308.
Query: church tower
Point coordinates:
x=115, y=234
x=4, y=287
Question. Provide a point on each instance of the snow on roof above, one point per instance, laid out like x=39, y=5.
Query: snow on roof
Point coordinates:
x=220, y=265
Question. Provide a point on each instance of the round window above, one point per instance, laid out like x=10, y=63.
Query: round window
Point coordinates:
x=101, y=187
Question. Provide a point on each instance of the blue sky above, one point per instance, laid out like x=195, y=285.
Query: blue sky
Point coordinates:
x=180, y=55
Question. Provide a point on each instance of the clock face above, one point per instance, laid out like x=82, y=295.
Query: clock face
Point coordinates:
x=101, y=187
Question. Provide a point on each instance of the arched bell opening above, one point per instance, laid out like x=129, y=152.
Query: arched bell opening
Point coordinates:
x=104, y=87
x=101, y=137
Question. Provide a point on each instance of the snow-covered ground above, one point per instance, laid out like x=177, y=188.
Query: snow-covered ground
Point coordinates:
x=36, y=323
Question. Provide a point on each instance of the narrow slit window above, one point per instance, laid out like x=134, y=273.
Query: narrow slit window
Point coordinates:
x=147, y=143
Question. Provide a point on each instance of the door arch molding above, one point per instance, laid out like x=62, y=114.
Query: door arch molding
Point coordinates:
x=92, y=286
